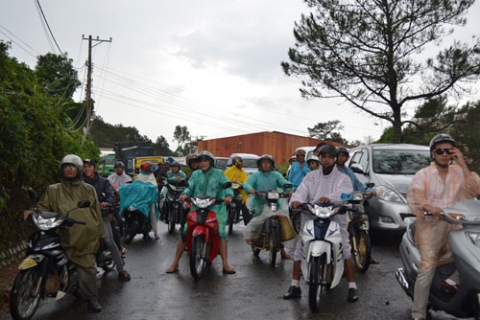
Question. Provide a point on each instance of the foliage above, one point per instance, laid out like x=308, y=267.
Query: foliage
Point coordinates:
x=182, y=135
x=368, y=53
x=326, y=131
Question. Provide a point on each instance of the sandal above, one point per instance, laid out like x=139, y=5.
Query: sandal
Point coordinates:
x=124, y=275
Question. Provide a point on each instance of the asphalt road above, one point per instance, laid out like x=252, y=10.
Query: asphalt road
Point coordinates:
x=255, y=292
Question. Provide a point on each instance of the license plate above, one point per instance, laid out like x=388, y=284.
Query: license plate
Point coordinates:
x=27, y=263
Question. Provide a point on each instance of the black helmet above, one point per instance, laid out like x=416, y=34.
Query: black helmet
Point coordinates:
x=236, y=160
x=442, y=137
x=263, y=157
x=328, y=149
x=72, y=159
x=207, y=154
x=343, y=150
x=118, y=164
x=192, y=157
x=175, y=164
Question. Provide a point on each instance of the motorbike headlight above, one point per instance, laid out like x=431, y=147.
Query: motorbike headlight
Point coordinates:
x=203, y=203
x=474, y=237
x=323, y=212
x=272, y=195
x=388, y=194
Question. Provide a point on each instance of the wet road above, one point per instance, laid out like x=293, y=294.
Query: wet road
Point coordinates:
x=255, y=292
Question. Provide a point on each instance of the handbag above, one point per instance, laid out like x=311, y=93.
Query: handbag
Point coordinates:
x=286, y=229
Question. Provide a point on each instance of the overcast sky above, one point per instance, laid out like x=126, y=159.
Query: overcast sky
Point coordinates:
x=213, y=66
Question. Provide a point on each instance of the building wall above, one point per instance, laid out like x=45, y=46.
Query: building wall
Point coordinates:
x=280, y=145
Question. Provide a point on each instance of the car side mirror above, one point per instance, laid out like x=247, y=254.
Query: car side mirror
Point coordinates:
x=357, y=168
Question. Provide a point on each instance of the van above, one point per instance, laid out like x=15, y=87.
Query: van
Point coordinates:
x=390, y=167
x=249, y=161
x=221, y=163
x=154, y=160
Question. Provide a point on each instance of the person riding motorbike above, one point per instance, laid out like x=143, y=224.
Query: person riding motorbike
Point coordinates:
x=146, y=175
x=442, y=184
x=207, y=181
x=105, y=195
x=80, y=242
x=313, y=163
x=174, y=176
x=236, y=173
x=299, y=169
x=265, y=179
x=192, y=162
x=119, y=177
x=324, y=186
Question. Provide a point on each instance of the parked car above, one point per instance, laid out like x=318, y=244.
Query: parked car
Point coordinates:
x=308, y=155
x=221, y=163
x=390, y=167
x=249, y=161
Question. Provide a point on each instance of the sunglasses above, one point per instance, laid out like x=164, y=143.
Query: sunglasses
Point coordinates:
x=441, y=151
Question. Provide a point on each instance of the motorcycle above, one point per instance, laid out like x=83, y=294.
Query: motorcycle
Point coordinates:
x=358, y=229
x=268, y=223
x=322, y=256
x=234, y=209
x=465, y=246
x=46, y=271
x=173, y=210
x=136, y=222
x=203, y=238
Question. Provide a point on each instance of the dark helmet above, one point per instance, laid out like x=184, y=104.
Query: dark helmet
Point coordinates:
x=263, y=157
x=72, y=159
x=192, y=157
x=236, y=160
x=118, y=164
x=343, y=150
x=175, y=164
x=207, y=154
x=442, y=137
x=328, y=149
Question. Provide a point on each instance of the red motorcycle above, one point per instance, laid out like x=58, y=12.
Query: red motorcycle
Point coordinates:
x=203, y=238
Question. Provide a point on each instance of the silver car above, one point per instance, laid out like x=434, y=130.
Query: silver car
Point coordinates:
x=390, y=167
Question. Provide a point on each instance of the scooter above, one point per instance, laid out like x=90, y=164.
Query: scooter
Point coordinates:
x=173, y=210
x=322, y=256
x=203, y=238
x=465, y=246
x=234, y=209
x=136, y=222
x=269, y=237
x=46, y=271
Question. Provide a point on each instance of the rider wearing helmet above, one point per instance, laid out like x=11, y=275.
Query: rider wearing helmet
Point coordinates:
x=146, y=175
x=313, y=162
x=119, y=177
x=325, y=186
x=442, y=184
x=265, y=179
x=207, y=181
x=175, y=176
x=343, y=155
x=299, y=169
x=80, y=243
x=235, y=173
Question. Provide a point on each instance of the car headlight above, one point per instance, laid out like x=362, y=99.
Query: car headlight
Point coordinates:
x=388, y=194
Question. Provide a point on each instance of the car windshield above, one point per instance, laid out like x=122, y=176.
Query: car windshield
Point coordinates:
x=400, y=161
x=221, y=163
x=250, y=163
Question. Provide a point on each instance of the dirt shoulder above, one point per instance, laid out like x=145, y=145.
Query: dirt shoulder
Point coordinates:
x=8, y=274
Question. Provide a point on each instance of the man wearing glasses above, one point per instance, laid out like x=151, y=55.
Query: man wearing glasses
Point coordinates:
x=299, y=169
x=442, y=184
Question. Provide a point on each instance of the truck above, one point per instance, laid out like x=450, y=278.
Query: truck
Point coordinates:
x=127, y=151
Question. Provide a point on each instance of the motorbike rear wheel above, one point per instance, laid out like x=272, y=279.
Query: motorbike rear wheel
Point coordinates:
x=198, y=259
x=315, y=282
x=273, y=245
x=172, y=220
x=23, y=301
x=130, y=231
x=363, y=252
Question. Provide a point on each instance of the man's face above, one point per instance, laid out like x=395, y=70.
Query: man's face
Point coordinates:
x=119, y=170
x=239, y=164
x=167, y=167
x=69, y=171
x=88, y=170
x=327, y=160
x=342, y=158
x=300, y=157
x=266, y=165
x=313, y=165
x=444, y=158
x=175, y=169
x=204, y=164
x=194, y=165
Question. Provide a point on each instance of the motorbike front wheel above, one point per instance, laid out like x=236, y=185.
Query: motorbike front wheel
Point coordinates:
x=197, y=256
x=273, y=245
x=172, y=220
x=361, y=250
x=23, y=300
x=315, y=282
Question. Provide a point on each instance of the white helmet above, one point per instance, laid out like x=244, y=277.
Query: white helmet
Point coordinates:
x=72, y=159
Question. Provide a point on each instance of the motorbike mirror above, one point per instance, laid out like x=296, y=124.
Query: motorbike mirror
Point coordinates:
x=33, y=195
x=370, y=185
x=227, y=185
x=287, y=185
x=83, y=204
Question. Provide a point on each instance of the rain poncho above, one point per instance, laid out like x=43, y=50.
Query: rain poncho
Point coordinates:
x=119, y=180
x=210, y=182
x=262, y=182
x=297, y=173
x=427, y=187
x=80, y=241
x=357, y=185
x=233, y=173
x=140, y=195
x=172, y=178
x=146, y=177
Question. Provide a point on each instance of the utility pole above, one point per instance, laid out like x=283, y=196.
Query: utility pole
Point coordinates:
x=88, y=90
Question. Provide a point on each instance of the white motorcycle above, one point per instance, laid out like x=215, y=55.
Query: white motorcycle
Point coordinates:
x=322, y=252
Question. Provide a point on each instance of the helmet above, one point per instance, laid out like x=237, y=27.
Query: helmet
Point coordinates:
x=192, y=157
x=299, y=152
x=343, y=150
x=72, y=159
x=313, y=158
x=328, y=149
x=207, y=154
x=442, y=137
x=145, y=166
x=263, y=157
x=236, y=160
x=119, y=164
x=175, y=164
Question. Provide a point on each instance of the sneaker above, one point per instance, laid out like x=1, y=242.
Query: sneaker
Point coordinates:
x=93, y=305
x=293, y=293
x=352, y=295
x=123, y=275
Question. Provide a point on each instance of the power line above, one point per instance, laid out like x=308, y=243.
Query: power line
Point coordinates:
x=39, y=6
